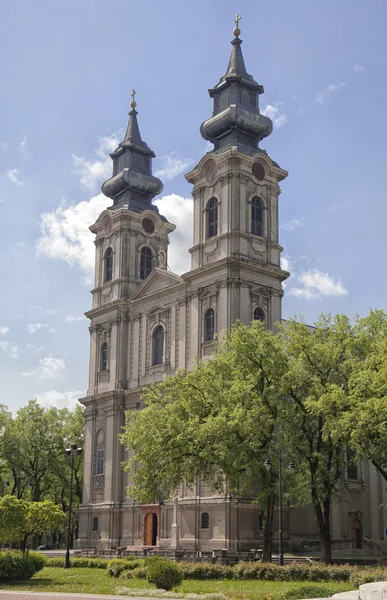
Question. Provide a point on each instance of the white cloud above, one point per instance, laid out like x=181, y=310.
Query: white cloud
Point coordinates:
x=293, y=224
x=50, y=311
x=15, y=176
x=179, y=211
x=49, y=368
x=358, y=69
x=23, y=142
x=172, y=165
x=285, y=263
x=273, y=112
x=59, y=399
x=94, y=171
x=34, y=327
x=70, y=319
x=328, y=91
x=3, y=329
x=10, y=349
x=314, y=284
x=66, y=235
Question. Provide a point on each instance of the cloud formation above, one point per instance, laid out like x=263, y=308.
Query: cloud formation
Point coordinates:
x=293, y=224
x=358, y=69
x=66, y=235
x=70, y=319
x=179, y=211
x=11, y=350
x=3, y=329
x=328, y=91
x=34, y=327
x=57, y=399
x=48, y=368
x=273, y=112
x=94, y=171
x=172, y=165
x=314, y=284
x=15, y=176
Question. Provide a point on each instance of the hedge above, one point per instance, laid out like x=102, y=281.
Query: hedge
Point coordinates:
x=15, y=566
x=165, y=574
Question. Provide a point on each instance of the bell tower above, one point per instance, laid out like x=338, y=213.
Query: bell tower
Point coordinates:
x=236, y=192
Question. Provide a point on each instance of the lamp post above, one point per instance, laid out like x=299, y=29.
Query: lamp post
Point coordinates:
x=267, y=465
x=70, y=452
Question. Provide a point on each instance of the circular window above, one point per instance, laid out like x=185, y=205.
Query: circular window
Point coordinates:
x=258, y=171
x=148, y=225
x=211, y=171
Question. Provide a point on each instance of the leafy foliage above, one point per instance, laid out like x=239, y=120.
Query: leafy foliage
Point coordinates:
x=165, y=574
x=15, y=566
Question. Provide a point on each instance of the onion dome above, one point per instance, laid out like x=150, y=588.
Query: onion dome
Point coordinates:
x=132, y=182
x=236, y=120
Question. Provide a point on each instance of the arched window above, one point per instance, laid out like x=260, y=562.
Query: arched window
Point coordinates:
x=205, y=520
x=108, y=265
x=209, y=325
x=158, y=345
x=212, y=217
x=104, y=356
x=352, y=470
x=145, y=262
x=256, y=217
x=99, y=463
x=259, y=315
x=95, y=523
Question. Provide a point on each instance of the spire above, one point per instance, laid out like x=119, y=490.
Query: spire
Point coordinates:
x=132, y=182
x=236, y=64
x=133, y=131
x=236, y=120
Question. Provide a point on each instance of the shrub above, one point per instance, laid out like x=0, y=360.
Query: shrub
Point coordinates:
x=165, y=574
x=117, y=566
x=39, y=560
x=55, y=562
x=15, y=566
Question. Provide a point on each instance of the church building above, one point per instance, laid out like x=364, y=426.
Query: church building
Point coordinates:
x=146, y=322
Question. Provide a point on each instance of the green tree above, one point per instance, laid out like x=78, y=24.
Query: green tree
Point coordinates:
x=216, y=422
x=315, y=393
x=13, y=519
x=42, y=517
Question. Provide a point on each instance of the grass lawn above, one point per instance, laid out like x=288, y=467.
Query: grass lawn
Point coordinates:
x=96, y=581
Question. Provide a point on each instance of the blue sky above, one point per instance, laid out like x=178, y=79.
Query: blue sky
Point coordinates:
x=66, y=72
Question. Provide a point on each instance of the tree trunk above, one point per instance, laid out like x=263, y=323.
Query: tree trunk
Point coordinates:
x=268, y=531
x=324, y=528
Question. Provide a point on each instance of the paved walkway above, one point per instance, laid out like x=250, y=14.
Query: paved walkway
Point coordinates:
x=20, y=595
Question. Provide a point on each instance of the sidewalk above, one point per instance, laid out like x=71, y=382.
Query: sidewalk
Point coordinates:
x=19, y=595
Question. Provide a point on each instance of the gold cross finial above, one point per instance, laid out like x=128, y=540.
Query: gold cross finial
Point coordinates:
x=237, y=30
x=133, y=103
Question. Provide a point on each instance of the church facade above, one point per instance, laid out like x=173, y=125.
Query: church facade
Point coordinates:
x=146, y=322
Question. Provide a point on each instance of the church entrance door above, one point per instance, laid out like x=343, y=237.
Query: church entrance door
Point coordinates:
x=150, y=526
x=357, y=534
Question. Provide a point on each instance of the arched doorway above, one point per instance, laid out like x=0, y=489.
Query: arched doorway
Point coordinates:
x=357, y=534
x=150, y=529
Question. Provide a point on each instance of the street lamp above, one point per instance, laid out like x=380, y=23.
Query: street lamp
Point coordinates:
x=70, y=452
x=267, y=465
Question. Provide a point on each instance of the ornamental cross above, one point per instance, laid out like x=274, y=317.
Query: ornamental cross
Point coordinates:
x=133, y=95
x=237, y=19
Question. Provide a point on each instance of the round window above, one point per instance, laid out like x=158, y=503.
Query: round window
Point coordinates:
x=258, y=171
x=148, y=225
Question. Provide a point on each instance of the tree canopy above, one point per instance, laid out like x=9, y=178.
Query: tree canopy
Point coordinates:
x=296, y=390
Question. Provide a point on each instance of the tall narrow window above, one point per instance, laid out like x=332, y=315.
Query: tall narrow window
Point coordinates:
x=256, y=217
x=352, y=470
x=212, y=218
x=95, y=523
x=205, y=520
x=145, y=262
x=104, y=356
x=158, y=345
x=99, y=463
x=108, y=265
x=209, y=325
x=259, y=315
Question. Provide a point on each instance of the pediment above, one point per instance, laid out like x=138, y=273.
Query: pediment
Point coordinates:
x=260, y=291
x=159, y=280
